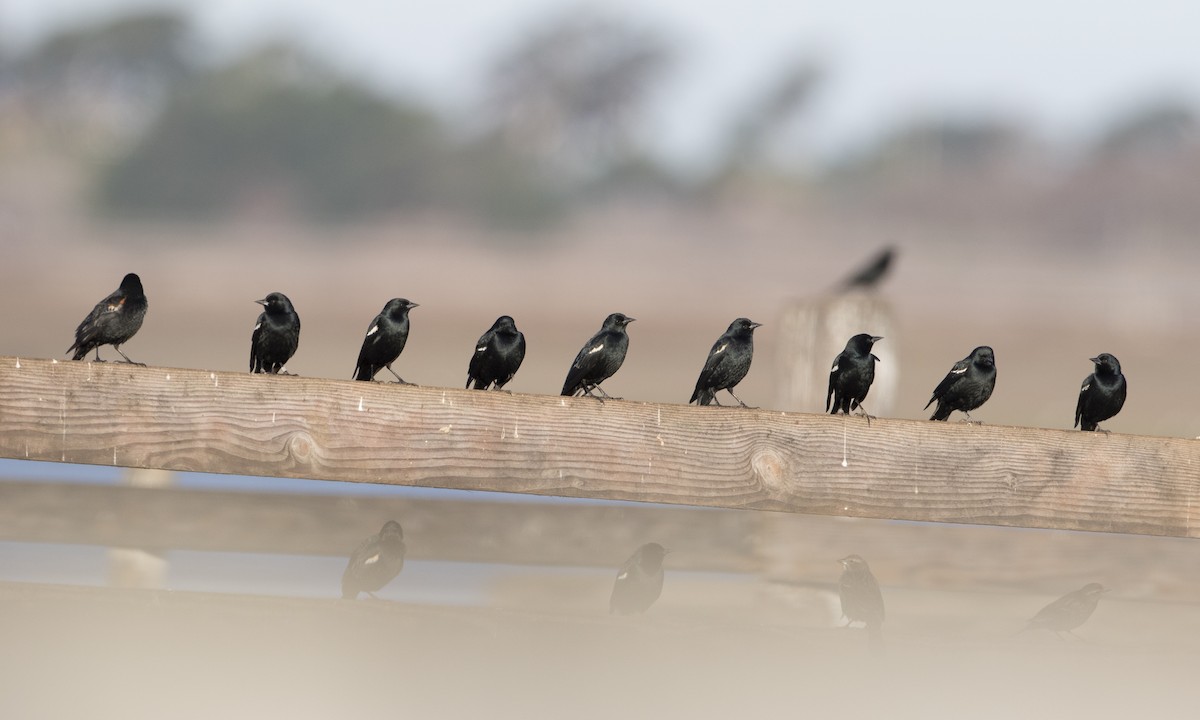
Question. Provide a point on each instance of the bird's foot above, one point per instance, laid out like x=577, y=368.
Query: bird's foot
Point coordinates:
x=401, y=382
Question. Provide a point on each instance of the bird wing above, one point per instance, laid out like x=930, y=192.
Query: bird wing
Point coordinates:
x=369, y=341
x=1087, y=383
x=254, y=338
x=481, y=346
x=586, y=361
x=956, y=373
x=712, y=364
x=833, y=371
x=89, y=328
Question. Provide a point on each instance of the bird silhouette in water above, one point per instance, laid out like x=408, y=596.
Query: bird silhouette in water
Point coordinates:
x=639, y=581
x=1069, y=611
x=861, y=599
x=113, y=321
x=375, y=563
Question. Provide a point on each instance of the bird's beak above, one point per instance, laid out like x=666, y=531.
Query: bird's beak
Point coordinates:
x=1095, y=359
x=629, y=320
x=876, y=338
x=755, y=325
x=413, y=305
x=262, y=302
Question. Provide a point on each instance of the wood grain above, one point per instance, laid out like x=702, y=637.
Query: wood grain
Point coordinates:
x=178, y=419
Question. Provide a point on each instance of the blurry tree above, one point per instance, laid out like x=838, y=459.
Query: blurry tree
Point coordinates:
x=111, y=76
x=572, y=90
x=1161, y=130
x=279, y=130
x=770, y=114
x=939, y=147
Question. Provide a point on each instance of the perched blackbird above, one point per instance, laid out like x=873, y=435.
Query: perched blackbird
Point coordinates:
x=600, y=358
x=861, y=599
x=852, y=373
x=376, y=562
x=498, y=355
x=968, y=385
x=870, y=274
x=727, y=364
x=639, y=582
x=1069, y=611
x=1102, y=394
x=385, y=340
x=113, y=321
x=276, y=335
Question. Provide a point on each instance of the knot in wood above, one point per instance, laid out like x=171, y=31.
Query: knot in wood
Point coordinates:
x=300, y=447
x=768, y=468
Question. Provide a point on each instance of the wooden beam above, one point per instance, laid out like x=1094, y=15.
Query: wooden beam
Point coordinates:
x=179, y=419
x=537, y=533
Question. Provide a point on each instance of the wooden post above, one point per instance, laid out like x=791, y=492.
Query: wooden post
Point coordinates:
x=812, y=333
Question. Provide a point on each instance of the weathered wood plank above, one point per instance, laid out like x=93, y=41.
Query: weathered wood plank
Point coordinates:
x=182, y=419
x=536, y=533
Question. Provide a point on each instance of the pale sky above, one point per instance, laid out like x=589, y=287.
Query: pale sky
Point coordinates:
x=1064, y=66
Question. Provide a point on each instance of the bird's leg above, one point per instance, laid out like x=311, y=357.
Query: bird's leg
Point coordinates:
x=98, y=354
x=863, y=412
x=713, y=397
x=601, y=391
x=131, y=362
x=735, y=397
x=969, y=421
x=398, y=378
x=282, y=370
x=587, y=390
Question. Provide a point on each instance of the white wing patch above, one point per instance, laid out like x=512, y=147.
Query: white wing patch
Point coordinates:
x=834, y=368
x=721, y=349
x=959, y=371
x=374, y=329
x=596, y=349
x=371, y=560
x=258, y=326
x=1084, y=388
x=481, y=348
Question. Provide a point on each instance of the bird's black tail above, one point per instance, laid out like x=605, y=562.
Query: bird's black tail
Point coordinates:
x=1084, y=425
x=941, y=412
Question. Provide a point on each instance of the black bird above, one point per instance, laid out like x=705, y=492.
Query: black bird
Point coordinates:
x=639, y=581
x=276, y=335
x=1069, y=611
x=727, y=364
x=968, y=385
x=385, y=340
x=861, y=599
x=376, y=562
x=113, y=321
x=498, y=355
x=600, y=358
x=1102, y=394
x=852, y=373
x=870, y=274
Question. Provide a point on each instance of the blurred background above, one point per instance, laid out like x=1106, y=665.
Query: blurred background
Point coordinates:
x=1036, y=169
